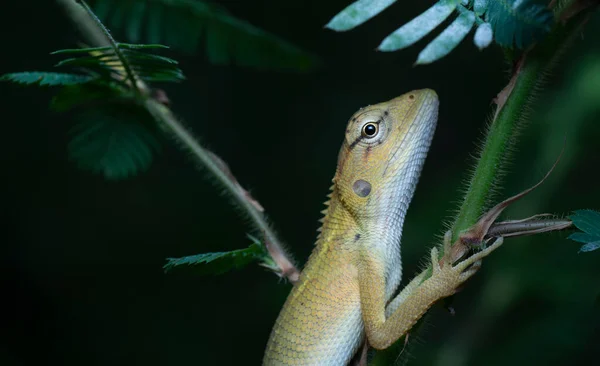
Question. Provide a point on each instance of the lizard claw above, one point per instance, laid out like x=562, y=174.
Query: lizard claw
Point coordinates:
x=472, y=260
x=469, y=272
x=448, y=245
x=447, y=277
x=435, y=261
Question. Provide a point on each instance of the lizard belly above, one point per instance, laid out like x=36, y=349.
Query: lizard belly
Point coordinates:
x=321, y=322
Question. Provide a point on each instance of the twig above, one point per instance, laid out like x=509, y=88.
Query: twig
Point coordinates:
x=97, y=32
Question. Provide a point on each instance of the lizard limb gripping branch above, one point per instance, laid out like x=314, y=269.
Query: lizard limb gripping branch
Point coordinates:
x=355, y=268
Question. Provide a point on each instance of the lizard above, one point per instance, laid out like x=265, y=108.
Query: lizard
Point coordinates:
x=348, y=290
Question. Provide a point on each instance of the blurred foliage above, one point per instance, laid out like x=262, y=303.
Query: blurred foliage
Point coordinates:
x=519, y=305
x=115, y=141
x=46, y=78
x=519, y=22
x=222, y=262
x=106, y=63
x=81, y=259
x=184, y=24
x=114, y=135
x=509, y=22
x=587, y=221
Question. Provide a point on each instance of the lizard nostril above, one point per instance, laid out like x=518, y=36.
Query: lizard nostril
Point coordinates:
x=362, y=188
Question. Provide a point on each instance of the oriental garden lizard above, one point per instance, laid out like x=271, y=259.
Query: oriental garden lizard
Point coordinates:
x=347, y=292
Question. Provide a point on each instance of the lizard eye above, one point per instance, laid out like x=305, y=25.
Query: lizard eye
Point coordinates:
x=369, y=130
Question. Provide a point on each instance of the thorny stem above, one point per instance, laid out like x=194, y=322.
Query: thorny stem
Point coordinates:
x=513, y=103
x=166, y=118
x=98, y=33
x=516, y=97
x=114, y=44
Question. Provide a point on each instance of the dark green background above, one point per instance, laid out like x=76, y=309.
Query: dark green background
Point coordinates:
x=81, y=258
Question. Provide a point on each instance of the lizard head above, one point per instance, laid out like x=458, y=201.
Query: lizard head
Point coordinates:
x=383, y=153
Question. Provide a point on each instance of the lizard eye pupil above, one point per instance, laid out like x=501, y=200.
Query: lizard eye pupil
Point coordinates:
x=370, y=130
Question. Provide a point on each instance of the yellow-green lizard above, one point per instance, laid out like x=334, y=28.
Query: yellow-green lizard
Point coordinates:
x=346, y=291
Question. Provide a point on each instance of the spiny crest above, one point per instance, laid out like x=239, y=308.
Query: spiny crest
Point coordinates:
x=324, y=212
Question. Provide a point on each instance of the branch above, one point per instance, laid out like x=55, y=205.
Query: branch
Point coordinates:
x=95, y=32
x=113, y=44
x=511, y=106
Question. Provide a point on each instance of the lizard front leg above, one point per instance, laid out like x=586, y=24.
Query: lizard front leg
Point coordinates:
x=416, y=298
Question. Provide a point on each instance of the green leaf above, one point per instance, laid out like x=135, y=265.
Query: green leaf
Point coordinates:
x=483, y=36
x=130, y=46
x=184, y=24
x=587, y=221
x=104, y=61
x=448, y=39
x=480, y=6
x=116, y=142
x=357, y=13
x=140, y=57
x=583, y=237
x=86, y=50
x=219, y=262
x=589, y=247
x=46, y=78
x=419, y=27
x=88, y=61
x=519, y=22
x=73, y=96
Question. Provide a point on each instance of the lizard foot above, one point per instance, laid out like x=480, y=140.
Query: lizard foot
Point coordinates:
x=447, y=277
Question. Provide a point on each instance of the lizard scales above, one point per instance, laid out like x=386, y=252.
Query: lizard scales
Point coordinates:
x=355, y=268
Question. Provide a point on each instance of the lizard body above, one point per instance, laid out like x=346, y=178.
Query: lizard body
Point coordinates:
x=346, y=290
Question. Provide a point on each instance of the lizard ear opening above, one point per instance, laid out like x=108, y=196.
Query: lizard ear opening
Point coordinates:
x=362, y=188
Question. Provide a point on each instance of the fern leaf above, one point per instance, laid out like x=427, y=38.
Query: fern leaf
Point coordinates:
x=588, y=221
x=113, y=142
x=483, y=36
x=448, y=39
x=419, y=27
x=128, y=46
x=104, y=61
x=74, y=96
x=46, y=78
x=518, y=22
x=480, y=6
x=219, y=262
x=183, y=24
x=357, y=13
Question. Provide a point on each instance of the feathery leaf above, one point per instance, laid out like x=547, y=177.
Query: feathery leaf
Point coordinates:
x=483, y=36
x=74, y=96
x=419, y=27
x=357, y=13
x=480, y=6
x=115, y=142
x=448, y=39
x=105, y=62
x=46, y=78
x=518, y=22
x=587, y=221
x=219, y=262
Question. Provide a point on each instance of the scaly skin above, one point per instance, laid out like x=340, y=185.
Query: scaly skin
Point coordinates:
x=355, y=268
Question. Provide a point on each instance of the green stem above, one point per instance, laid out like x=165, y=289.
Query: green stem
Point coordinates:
x=81, y=19
x=164, y=116
x=500, y=136
x=97, y=31
x=503, y=130
x=114, y=45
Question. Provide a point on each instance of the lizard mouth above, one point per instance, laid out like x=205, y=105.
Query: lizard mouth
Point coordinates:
x=419, y=124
